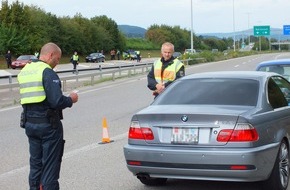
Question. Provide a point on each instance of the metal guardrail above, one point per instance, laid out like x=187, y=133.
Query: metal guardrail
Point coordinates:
x=114, y=71
x=113, y=74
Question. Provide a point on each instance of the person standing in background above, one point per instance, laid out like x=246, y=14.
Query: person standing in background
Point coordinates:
x=118, y=54
x=36, y=54
x=75, y=61
x=8, y=58
x=112, y=53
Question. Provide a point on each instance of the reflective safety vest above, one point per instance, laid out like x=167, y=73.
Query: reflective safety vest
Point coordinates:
x=75, y=57
x=169, y=73
x=31, y=84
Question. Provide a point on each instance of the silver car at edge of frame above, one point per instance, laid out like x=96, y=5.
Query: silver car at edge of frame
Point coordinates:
x=218, y=126
x=280, y=66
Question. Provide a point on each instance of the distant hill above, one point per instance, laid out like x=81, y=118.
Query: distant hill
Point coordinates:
x=139, y=32
x=132, y=31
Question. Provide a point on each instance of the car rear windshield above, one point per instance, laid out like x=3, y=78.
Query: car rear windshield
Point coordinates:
x=211, y=91
x=280, y=69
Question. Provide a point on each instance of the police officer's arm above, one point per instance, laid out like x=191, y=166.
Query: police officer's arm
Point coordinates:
x=151, y=80
x=52, y=87
x=180, y=73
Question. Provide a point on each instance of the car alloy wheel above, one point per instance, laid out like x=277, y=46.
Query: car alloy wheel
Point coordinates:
x=284, y=164
x=279, y=177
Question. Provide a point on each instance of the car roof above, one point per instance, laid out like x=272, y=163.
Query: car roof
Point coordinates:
x=26, y=55
x=274, y=62
x=231, y=74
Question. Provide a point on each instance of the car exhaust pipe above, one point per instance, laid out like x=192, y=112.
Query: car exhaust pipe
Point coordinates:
x=143, y=176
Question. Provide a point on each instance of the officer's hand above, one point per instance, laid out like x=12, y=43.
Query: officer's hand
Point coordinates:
x=74, y=97
x=159, y=88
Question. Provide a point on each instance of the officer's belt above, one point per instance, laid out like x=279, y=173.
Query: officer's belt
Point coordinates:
x=37, y=120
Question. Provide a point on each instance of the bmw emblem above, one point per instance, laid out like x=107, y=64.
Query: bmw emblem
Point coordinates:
x=184, y=118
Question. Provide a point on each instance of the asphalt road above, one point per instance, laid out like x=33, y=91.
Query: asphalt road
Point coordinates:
x=88, y=165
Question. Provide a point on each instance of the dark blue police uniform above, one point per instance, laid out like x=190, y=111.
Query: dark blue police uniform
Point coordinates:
x=46, y=143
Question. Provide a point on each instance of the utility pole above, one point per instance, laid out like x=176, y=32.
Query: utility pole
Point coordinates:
x=234, y=28
x=191, y=33
x=249, y=27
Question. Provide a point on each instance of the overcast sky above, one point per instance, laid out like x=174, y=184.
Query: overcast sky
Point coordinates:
x=208, y=15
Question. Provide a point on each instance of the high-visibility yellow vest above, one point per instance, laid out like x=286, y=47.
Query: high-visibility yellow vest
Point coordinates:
x=169, y=73
x=75, y=57
x=31, y=83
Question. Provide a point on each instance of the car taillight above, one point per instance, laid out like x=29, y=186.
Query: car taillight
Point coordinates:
x=137, y=132
x=243, y=132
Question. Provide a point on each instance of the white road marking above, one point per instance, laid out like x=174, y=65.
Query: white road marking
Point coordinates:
x=66, y=155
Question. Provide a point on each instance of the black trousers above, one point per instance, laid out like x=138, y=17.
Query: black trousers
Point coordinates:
x=46, y=147
x=75, y=63
x=8, y=64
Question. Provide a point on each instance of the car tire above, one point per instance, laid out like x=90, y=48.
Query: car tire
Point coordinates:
x=153, y=181
x=279, y=177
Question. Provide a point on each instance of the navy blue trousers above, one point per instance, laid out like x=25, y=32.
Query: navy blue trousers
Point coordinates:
x=46, y=147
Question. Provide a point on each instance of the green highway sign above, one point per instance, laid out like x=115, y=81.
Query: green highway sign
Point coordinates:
x=261, y=30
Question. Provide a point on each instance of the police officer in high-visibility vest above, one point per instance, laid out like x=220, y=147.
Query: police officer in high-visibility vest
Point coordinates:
x=43, y=101
x=75, y=61
x=138, y=54
x=165, y=70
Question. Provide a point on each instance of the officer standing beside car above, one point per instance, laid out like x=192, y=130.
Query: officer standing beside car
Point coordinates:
x=42, y=101
x=165, y=70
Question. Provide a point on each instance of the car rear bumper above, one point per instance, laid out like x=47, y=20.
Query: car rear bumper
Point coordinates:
x=211, y=164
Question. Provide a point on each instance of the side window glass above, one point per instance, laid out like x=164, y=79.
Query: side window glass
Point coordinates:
x=284, y=86
x=277, y=88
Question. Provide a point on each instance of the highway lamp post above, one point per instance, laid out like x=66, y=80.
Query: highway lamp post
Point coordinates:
x=191, y=31
x=279, y=42
x=249, y=27
x=260, y=43
x=234, y=28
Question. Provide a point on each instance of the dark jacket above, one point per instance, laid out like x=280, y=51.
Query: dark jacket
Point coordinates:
x=8, y=57
x=151, y=78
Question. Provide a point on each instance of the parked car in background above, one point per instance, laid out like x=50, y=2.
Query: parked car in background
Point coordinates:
x=219, y=126
x=132, y=55
x=22, y=60
x=95, y=58
x=280, y=66
x=214, y=50
x=129, y=55
x=189, y=51
x=177, y=55
x=125, y=55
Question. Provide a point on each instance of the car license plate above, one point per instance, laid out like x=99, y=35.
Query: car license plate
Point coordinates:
x=184, y=135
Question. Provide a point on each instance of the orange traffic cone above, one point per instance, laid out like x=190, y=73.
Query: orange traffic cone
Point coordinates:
x=105, y=138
